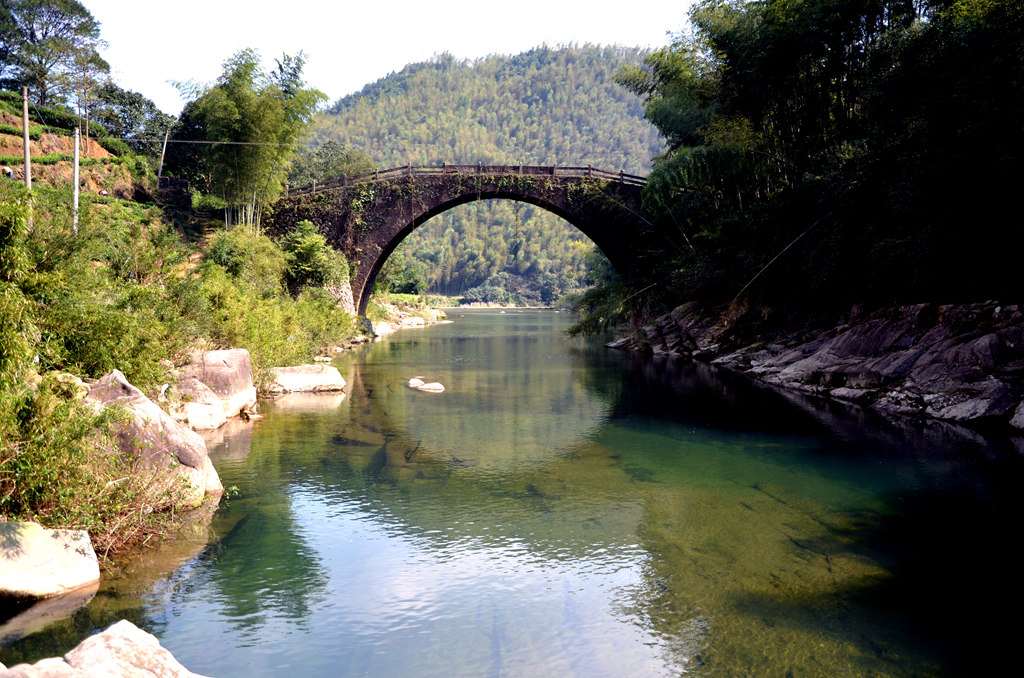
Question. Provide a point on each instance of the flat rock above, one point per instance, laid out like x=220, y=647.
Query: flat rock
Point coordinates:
x=121, y=650
x=306, y=378
x=382, y=328
x=37, y=563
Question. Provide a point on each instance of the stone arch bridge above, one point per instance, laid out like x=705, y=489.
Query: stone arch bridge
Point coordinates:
x=366, y=217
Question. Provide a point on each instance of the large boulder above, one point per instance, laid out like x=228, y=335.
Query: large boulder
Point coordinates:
x=37, y=563
x=306, y=378
x=160, y=442
x=198, y=406
x=228, y=373
x=121, y=650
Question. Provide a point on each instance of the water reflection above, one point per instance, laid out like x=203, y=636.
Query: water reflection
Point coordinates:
x=601, y=514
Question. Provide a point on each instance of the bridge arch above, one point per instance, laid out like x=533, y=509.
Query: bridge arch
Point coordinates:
x=367, y=217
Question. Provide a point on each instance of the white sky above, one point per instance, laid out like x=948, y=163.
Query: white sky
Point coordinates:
x=350, y=43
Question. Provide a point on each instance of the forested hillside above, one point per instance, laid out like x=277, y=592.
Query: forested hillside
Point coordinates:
x=546, y=106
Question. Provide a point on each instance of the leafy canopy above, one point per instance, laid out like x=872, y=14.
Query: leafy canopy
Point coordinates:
x=253, y=120
x=47, y=45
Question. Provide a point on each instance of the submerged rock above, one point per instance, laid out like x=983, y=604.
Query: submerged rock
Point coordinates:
x=121, y=650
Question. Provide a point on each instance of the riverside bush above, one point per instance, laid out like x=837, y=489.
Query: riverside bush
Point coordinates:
x=249, y=257
x=311, y=261
x=123, y=291
x=59, y=468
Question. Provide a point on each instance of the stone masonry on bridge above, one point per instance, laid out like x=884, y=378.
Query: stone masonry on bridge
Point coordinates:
x=367, y=217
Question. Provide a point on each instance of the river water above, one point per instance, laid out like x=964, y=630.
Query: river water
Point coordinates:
x=564, y=510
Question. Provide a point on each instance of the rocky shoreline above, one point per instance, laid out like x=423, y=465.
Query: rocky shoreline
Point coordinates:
x=961, y=363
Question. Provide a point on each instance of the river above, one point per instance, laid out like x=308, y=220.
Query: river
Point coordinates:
x=565, y=510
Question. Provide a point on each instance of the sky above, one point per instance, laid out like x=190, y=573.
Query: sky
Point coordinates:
x=349, y=44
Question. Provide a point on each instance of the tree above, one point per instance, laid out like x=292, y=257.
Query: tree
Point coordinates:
x=329, y=161
x=131, y=116
x=253, y=122
x=45, y=43
x=888, y=130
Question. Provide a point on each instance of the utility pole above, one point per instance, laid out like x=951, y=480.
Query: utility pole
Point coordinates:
x=24, y=126
x=74, y=182
x=163, y=152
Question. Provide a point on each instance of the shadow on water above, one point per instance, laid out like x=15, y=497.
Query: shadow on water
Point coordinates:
x=923, y=581
x=947, y=598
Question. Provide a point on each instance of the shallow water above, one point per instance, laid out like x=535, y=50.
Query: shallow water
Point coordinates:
x=565, y=510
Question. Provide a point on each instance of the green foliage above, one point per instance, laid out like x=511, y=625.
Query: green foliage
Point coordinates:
x=34, y=131
x=311, y=261
x=114, y=146
x=58, y=468
x=881, y=136
x=261, y=117
x=123, y=293
x=604, y=303
x=17, y=330
x=328, y=161
x=399, y=275
x=203, y=201
x=599, y=307
x=48, y=45
x=250, y=257
x=275, y=330
x=129, y=115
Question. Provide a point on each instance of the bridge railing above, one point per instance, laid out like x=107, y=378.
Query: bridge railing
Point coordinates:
x=433, y=170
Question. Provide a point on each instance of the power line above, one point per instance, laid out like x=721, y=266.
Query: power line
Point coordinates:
x=214, y=143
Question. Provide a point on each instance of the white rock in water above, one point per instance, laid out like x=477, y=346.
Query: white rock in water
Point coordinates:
x=228, y=373
x=308, y=378
x=121, y=650
x=37, y=563
x=381, y=328
x=432, y=387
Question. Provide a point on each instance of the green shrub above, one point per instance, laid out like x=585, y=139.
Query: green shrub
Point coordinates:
x=58, y=468
x=115, y=146
x=34, y=131
x=250, y=257
x=311, y=261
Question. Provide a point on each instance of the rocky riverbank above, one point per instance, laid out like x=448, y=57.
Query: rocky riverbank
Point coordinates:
x=961, y=363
